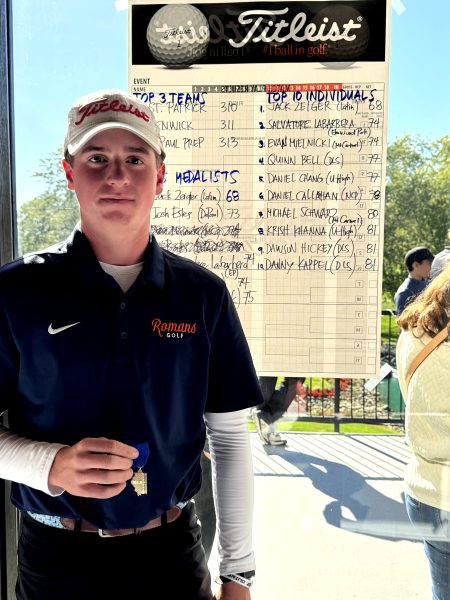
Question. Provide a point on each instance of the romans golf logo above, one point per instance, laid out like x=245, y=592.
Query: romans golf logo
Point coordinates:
x=171, y=329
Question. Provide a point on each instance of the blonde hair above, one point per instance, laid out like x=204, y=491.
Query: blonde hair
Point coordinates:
x=430, y=311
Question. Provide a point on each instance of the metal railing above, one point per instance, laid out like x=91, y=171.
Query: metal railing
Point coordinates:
x=348, y=400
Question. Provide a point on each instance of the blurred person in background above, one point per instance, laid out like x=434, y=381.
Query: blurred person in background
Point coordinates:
x=418, y=262
x=427, y=422
x=441, y=259
x=278, y=394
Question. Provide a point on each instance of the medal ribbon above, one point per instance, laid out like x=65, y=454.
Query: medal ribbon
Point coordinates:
x=144, y=452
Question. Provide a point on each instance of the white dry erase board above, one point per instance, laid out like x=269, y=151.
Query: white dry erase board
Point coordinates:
x=273, y=118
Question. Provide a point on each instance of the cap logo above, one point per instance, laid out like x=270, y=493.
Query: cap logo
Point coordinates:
x=103, y=106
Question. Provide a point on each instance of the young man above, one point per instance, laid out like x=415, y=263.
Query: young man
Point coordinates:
x=113, y=356
x=418, y=262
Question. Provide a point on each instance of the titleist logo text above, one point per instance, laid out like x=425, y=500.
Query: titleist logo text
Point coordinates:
x=312, y=32
x=103, y=106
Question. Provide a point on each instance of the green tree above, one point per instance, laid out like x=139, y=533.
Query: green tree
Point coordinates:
x=52, y=215
x=417, y=208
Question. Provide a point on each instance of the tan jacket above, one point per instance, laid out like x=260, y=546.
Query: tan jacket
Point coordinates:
x=427, y=420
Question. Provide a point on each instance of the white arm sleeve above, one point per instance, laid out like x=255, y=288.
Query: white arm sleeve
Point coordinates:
x=232, y=479
x=25, y=461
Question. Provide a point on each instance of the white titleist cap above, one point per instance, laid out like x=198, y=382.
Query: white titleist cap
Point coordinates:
x=110, y=109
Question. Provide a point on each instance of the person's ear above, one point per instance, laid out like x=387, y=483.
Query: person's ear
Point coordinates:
x=69, y=174
x=160, y=178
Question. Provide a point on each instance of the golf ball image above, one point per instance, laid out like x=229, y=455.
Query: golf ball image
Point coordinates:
x=343, y=50
x=177, y=35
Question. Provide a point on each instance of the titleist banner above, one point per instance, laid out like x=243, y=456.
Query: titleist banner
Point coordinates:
x=260, y=32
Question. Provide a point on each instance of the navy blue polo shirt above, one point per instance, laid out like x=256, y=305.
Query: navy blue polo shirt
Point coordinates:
x=79, y=358
x=406, y=293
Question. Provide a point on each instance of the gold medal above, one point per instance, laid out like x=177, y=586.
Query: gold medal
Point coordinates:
x=139, y=482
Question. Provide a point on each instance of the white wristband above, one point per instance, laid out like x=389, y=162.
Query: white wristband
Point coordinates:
x=237, y=579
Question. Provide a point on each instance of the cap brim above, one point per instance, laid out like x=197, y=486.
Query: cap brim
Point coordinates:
x=75, y=146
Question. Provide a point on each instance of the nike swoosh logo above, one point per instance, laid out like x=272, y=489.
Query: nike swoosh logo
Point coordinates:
x=52, y=330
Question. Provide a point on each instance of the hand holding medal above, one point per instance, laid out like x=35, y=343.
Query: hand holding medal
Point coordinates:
x=139, y=479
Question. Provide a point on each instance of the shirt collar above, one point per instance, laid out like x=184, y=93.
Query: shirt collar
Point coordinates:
x=80, y=252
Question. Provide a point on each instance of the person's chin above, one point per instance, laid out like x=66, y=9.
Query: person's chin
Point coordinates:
x=117, y=215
